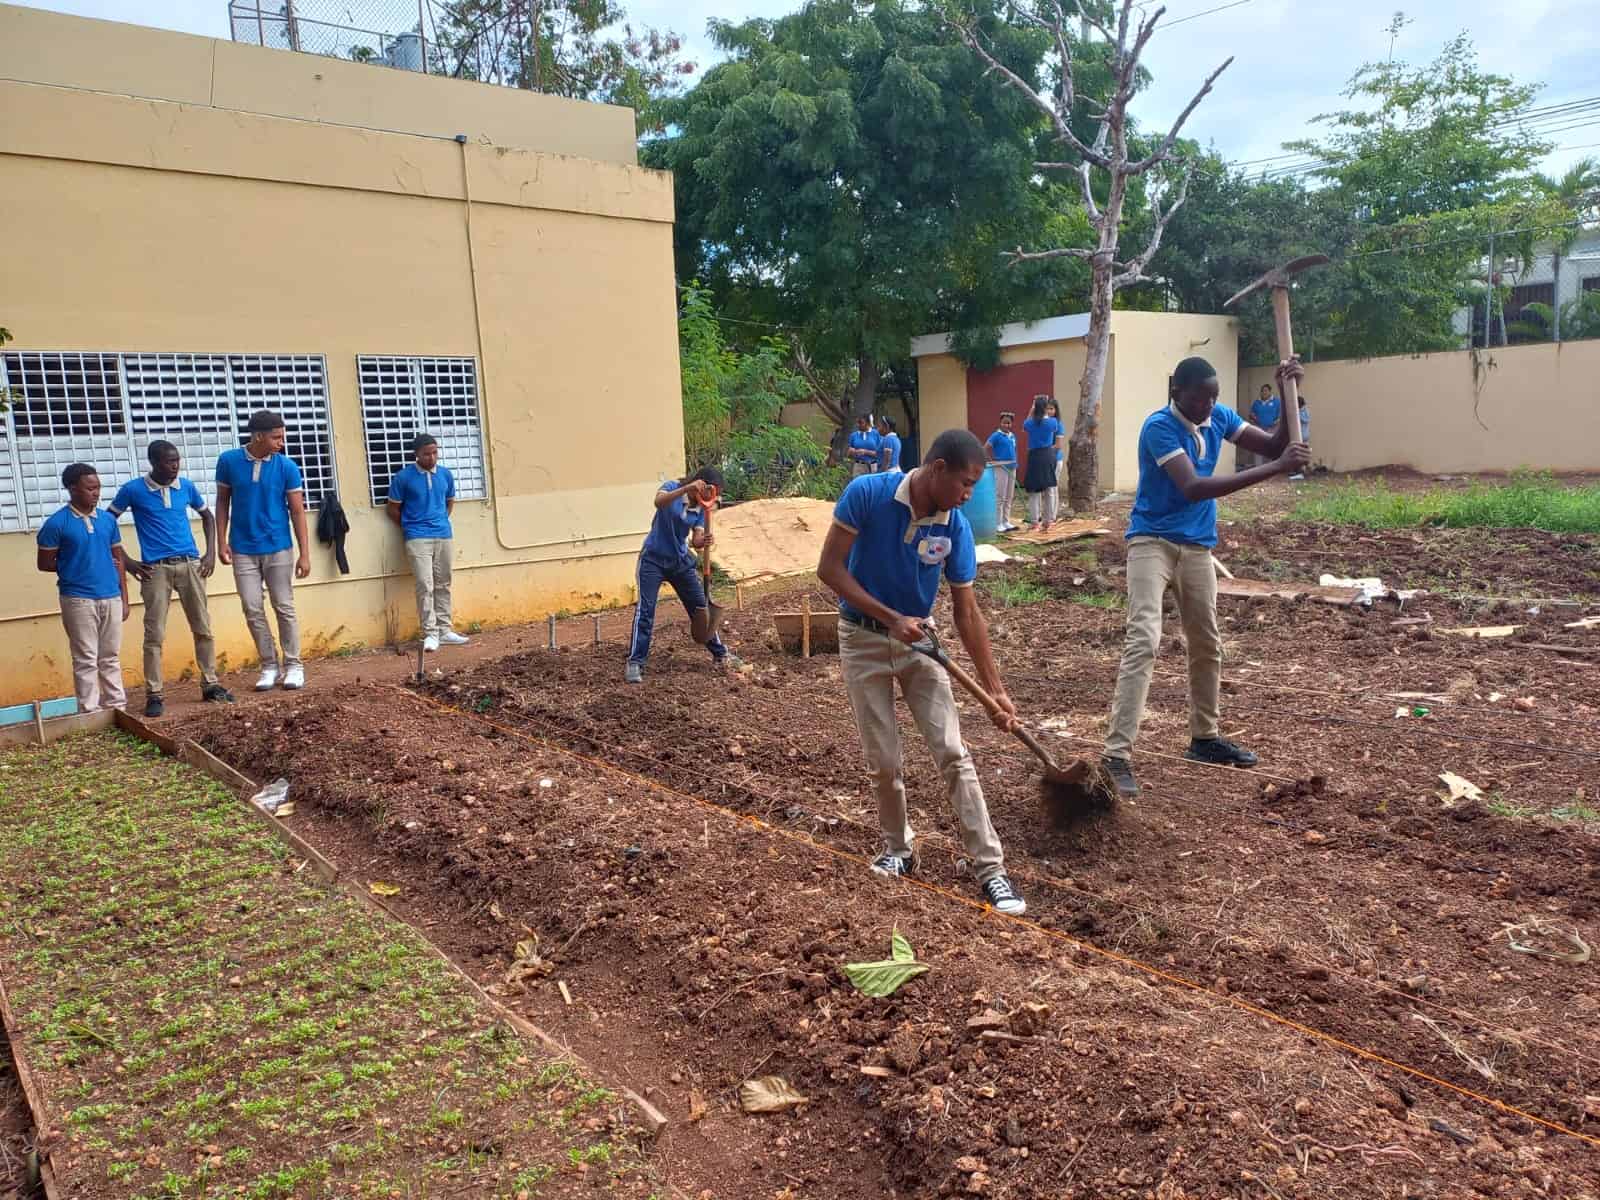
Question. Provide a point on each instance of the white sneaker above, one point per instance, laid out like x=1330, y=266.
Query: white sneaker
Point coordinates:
x=269, y=678
x=294, y=678
x=430, y=643
x=451, y=638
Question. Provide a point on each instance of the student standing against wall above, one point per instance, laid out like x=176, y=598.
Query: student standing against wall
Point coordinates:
x=259, y=493
x=160, y=503
x=1002, y=451
x=865, y=445
x=1039, y=480
x=81, y=545
x=422, y=498
x=889, y=451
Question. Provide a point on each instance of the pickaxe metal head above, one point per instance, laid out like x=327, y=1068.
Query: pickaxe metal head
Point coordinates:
x=1278, y=277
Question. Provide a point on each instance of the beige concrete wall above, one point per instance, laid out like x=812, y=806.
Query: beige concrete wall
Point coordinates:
x=1146, y=346
x=155, y=226
x=1529, y=406
x=107, y=56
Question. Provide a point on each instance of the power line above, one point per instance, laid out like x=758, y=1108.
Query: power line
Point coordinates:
x=1205, y=13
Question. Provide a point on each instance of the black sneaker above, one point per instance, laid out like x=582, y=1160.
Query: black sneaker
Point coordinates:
x=215, y=693
x=1220, y=751
x=1121, y=772
x=1002, y=897
x=892, y=866
x=153, y=707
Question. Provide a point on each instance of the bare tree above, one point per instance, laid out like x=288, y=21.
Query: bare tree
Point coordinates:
x=1104, y=159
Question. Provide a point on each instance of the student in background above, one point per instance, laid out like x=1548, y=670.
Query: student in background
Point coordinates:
x=1305, y=433
x=1053, y=410
x=160, y=503
x=81, y=545
x=1265, y=412
x=260, y=492
x=865, y=445
x=1002, y=450
x=422, y=496
x=1044, y=447
x=676, y=532
x=889, y=452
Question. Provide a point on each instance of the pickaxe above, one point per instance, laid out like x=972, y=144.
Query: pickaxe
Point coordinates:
x=1278, y=280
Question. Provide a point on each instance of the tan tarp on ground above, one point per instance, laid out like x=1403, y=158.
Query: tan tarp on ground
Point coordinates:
x=765, y=538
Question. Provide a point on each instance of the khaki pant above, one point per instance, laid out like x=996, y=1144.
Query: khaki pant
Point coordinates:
x=871, y=663
x=430, y=563
x=1005, y=488
x=183, y=578
x=858, y=469
x=276, y=571
x=1043, y=506
x=1154, y=564
x=94, y=635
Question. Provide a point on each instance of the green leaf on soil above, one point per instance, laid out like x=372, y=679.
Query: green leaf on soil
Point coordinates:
x=886, y=977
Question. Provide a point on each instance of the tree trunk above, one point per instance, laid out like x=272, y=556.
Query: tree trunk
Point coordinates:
x=1083, y=448
x=863, y=398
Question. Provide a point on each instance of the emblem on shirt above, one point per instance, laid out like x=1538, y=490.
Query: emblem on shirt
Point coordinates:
x=933, y=550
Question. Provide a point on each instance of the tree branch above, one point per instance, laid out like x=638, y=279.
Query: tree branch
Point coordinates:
x=1134, y=272
x=1162, y=151
x=1019, y=255
x=1060, y=120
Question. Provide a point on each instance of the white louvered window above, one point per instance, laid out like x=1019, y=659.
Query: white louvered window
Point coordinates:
x=402, y=397
x=106, y=409
x=65, y=408
x=295, y=386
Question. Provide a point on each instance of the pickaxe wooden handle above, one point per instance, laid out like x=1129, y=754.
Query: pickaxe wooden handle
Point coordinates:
x=1278, y=280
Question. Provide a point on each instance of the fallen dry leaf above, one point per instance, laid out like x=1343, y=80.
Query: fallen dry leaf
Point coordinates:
x=1460, y=789
x=697, y=1105
x=379, y=888
x=770, y=1093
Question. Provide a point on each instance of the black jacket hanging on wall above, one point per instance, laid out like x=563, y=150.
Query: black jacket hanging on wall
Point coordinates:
x=332, y=525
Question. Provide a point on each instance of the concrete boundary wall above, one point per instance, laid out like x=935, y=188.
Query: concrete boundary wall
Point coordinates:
x=1503, y=409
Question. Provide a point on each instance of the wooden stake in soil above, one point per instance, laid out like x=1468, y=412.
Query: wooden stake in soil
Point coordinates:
x=805, y=628
x=597, y=629
x=38, y=719
x=738, y=596
x=552, y=631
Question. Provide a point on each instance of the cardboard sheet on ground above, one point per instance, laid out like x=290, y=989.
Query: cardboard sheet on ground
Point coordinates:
x=1061, y=531
x=1342, y=597
x=762, y=539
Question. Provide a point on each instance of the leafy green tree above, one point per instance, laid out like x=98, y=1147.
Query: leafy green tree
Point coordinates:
x=564, y=48
x=850, y=176
x=732, y=399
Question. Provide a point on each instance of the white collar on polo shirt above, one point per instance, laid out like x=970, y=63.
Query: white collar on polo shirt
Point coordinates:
x=1199, y=438
x=903, y=494
x=164, y=488
x=88, y=518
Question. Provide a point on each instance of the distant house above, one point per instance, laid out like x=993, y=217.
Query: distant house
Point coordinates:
x=1550, y=279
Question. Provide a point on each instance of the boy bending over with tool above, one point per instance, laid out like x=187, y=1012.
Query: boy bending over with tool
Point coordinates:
x=1170, y=535
x=893, y=536
x=667, y=557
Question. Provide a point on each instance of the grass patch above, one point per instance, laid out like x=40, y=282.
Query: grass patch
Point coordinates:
x=1013, y=591
x=1528, y=501
x=1099, y=599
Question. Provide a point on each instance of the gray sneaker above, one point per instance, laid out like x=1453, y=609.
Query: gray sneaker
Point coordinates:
x=634, y=673
x=730, y=661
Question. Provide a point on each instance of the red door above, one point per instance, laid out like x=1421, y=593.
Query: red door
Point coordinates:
x=1007, y=389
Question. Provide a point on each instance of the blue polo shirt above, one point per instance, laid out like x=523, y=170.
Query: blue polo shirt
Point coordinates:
x=890, y=442
x=161, y=515
x=1042, y=432
x=1159, y=509
x=898, y=560
x=1265, y=413
x=259, y=519
x=1003, y=446
x=667, y=541
x=868, y=441
x=84, y=567
x=421, y=498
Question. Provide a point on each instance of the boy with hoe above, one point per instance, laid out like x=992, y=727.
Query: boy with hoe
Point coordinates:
x=1171, y=531
x=893, y=536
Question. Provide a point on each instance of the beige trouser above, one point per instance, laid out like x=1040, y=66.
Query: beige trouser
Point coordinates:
x=94, y=634
x=858, y=469
x=1154, y=564
x=183, y=578
x=430, y=563
x=871, y=663
x=1005, y=488
x=1044, y=505
x=276, y=571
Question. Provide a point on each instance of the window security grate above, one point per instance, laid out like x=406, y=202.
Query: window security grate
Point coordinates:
x=401, y=397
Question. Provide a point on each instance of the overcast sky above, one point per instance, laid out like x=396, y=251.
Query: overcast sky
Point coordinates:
x=1291, y=57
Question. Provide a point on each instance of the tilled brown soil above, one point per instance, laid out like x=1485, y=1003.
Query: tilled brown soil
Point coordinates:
x=1332, y=888
x=16, y=1132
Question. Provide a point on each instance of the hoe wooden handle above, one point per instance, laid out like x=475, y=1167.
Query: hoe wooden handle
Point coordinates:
x=989, y=702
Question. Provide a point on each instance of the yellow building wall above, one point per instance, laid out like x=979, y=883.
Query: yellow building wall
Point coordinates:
x=151, y=226
x=1146, y=346
x=1527, y=406
x=133, y=60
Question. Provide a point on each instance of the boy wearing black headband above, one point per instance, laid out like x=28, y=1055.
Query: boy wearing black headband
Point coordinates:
x=1170, y=534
